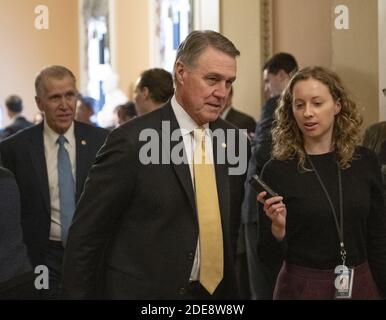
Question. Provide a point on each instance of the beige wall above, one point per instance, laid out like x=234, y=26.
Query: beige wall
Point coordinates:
x=306, y=29
x=25, y=50
x=303, y=28
x=382, y=57
x=131, y=41
x=240, y=22
x=355, y=55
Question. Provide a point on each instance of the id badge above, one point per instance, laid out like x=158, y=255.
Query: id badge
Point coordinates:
x=343, y=282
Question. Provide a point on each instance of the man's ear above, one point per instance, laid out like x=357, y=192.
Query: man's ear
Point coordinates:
x=283, y=76
x=179, y=72
x=39, y=103
x=145, y=91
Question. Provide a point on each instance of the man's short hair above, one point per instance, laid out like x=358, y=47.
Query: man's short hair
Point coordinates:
x=55, y=71
x=197, y=41
x=281, y=61
x=14, y=103
x=159, y=83
x=126, y=110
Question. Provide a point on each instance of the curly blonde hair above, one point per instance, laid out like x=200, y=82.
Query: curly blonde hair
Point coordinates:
x=288, y=139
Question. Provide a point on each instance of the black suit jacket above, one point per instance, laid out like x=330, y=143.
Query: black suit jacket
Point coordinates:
x=23, y=154
x=20, y=123
x=144, y=220
x=241, y=120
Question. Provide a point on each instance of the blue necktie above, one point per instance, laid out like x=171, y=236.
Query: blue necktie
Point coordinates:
x=66, y=188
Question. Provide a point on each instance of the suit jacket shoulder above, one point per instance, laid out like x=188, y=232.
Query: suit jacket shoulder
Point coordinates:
x=241, y=120
x=20, y=123
x=90, y=130
x=5, y=173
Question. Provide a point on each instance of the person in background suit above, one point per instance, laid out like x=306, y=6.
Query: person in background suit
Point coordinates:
x=238, y=119
x=374, y=138
x=125, y=112
x=277, y=72
x=85, y=110
x=16, y=277
x=35, y=158
x=14, y=106
x=143, y=237
x=153, y=89
x=382, y=157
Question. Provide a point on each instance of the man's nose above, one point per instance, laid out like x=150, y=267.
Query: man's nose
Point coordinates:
x=221, y=90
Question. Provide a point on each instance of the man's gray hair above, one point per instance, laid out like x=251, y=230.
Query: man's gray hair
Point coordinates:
x=57, y=72
x=197, y=41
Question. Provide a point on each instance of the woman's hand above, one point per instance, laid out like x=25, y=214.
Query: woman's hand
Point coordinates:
x=276, y=211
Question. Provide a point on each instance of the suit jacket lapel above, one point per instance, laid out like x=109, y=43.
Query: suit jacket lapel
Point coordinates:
x=182, y=170
x=81, y=158
x=39, y=162
x=221, y=169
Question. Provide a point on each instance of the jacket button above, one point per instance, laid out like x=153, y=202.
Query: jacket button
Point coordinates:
x=181, y=290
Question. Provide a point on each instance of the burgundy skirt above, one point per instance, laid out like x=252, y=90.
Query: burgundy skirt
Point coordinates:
x=300, y=283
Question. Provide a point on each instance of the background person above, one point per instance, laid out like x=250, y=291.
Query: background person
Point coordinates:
x=238, y=119
x=277, y=72
x=330, y=208
x=50, y=162
x=14, y=106
x=125, y=112
x=153, y=89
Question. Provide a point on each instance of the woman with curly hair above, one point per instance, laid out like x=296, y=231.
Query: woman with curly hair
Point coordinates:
x=327, y=223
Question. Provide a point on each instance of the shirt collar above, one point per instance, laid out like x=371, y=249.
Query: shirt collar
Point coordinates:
x=51, y=136
x=185, y=121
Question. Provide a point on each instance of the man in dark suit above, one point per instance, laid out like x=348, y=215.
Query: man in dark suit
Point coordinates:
x=35, y=155
x=144, y=236
x=16, y=276
x=153, y=89
x=14, y=106
x=277, y=72
x=238, y=119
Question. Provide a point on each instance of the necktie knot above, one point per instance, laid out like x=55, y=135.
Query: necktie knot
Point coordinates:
x=199, y=149
x=61, y=140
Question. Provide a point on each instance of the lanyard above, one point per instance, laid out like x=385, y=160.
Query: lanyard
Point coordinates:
x=339, y=226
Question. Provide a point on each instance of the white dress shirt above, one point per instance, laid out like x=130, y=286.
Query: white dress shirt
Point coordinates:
x=187, y=126
x=51, y=153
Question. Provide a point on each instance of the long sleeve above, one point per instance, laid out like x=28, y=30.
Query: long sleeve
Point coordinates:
x=270, y=250
x=108, y=187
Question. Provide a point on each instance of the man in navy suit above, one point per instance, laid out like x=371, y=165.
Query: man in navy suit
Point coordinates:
x=32, y=156
x=16, y=276
x=14, y=106
x=141, y=236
